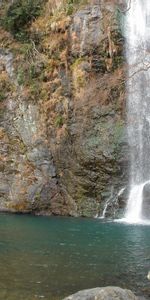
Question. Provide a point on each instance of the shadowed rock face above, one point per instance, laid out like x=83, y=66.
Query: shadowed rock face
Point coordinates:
x=66, y=154
x=106, y=293
x=28, y=175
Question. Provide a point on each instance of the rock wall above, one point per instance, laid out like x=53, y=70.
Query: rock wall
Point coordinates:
x=63, y=139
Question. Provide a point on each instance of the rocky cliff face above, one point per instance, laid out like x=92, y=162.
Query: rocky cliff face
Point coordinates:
x=62, y=110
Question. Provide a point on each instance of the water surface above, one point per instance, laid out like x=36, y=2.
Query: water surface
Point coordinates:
x=49, y=258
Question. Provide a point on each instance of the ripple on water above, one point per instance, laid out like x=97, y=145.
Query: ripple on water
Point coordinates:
x=39, y=256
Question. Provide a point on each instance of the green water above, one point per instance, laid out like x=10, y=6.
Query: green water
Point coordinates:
x=49, y=258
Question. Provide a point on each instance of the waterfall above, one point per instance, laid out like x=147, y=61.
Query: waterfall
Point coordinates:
x=134, y=206
x=105, y=208
x=137, y=32
x=112, y=199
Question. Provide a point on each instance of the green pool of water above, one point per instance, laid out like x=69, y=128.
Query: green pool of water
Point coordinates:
x=49, y=257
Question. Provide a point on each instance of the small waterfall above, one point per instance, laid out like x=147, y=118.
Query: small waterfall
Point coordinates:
x=112, y=199
x=137, y=31
x=106, y=204
x=105, y=209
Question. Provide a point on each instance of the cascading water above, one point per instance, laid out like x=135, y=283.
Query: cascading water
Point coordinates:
x=137, y=30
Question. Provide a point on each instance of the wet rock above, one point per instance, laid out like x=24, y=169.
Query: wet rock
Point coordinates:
x=104, y=293
x=146, y=201
x=123, y=196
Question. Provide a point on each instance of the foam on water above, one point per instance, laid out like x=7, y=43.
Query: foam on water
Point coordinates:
x=138, y=222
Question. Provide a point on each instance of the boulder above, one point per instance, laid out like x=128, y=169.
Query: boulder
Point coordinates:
x=103, y=293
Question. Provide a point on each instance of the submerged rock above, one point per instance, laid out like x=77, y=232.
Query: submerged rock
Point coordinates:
x=103, y=293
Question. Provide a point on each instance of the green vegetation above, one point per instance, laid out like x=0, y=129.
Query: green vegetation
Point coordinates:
x=20, y=76
x=26, y=49
x=32, y=71
x=77, y=63
x=118, y=61
x=19, y=15
x=59, y=121
x=118, y=134
x=2, y=96
x=71, y=4
x=34, y=90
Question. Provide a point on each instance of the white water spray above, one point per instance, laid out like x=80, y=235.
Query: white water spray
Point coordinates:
x=137, y=30
x=134, y=206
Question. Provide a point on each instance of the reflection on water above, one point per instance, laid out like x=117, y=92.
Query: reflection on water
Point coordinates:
x=49, y=258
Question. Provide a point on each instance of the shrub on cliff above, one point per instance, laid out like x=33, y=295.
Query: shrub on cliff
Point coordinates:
x=19, y=15
x=70, y=5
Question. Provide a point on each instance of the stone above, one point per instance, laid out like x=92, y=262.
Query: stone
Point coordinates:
x=7, y=58
x=103, y=293
x=86, y=30
x=146, y=201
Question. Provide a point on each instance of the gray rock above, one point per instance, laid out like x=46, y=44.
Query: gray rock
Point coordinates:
x=7, y=57
x=146, y=202
x=103, y=293
x=86, y=30
x=27, y=122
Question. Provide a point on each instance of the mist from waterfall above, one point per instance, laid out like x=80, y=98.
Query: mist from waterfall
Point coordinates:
x=137, y=32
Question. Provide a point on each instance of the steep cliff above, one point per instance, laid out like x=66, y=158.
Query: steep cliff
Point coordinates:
x=62, y=108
